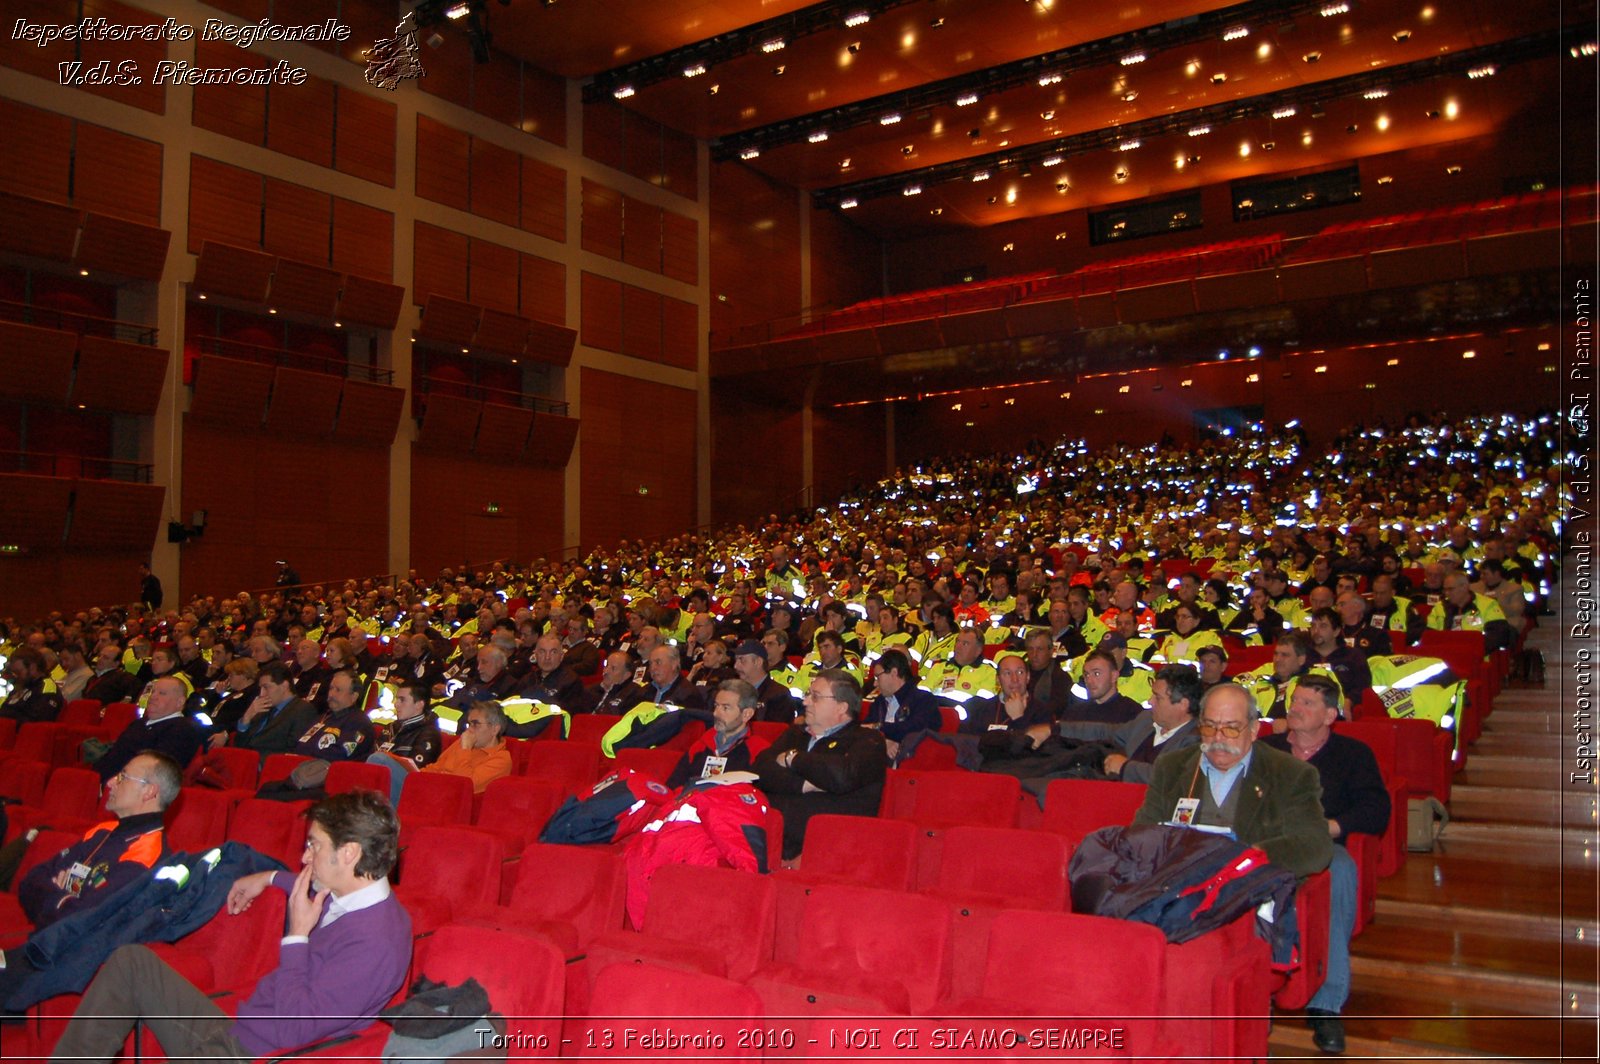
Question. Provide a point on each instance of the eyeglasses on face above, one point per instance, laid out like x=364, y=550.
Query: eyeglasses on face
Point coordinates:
x=1229, y=730
x=119, y=777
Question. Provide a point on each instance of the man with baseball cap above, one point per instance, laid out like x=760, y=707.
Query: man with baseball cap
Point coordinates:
x=775, y=703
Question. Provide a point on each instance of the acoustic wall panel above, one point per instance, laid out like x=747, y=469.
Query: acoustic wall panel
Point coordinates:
x=230, y=392
x=109, y=515
x=369, y=413
x=242, y=273
x=119, y=377
x=449, y=321
x=35, y=363
x=502, y=431
x=550, y=344
x=303, y=403
x=550, y=440
x=305, y=289
x=115, y=246
x=35, y=513
x=43, y=230
x=368, y=302
x=450, y=423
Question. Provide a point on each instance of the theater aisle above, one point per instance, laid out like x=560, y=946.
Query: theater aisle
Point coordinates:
x=1487, y=947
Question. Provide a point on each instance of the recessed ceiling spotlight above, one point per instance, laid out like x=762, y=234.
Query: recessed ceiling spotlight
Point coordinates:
x=1130, y=96
x=1402, y=36
x=1218, y=78
x=937, y=211
x=936, y=23
x=778, y=70
x=1311, y=57
x=907, y=150
x=1048, y=116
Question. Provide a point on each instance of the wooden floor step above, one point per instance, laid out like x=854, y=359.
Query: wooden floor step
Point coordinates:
x=1518, y=744
x=1520, y=926
x=1479, y=876
x=1481, y=987
x=1504, y=770
x=1291, y=1039
x=1523, y=805
x=1480, y=950
x=1532, y=720
x=1391, y=1017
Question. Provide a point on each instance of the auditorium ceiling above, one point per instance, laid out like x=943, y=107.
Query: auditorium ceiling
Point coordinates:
x=919, y=116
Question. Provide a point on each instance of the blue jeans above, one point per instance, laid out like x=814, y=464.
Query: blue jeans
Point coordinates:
x=1341, y=921
x=397, y=774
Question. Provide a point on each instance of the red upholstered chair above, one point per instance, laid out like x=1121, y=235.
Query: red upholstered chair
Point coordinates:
x=448, y=870
x=669, y=1004
x=278, y=767
x=1103, y=971
x=515, y=810
x=244, y=766
x=524, y=975
x=591, y=727
x=8, y=733
x=80, y=711
x=1074, y=809
x=938, y=801
x=570, y=894
x=13, y=925
x=277, y=829
x=35, y=742
x=198, y=820
x=1312, y=904
x=862, y=950
x=986, y=871
x=734, y=941
x=430, y=799
x=573, y=764
x=851, y=850
x=656, y=764
x=118, y=715
x=71, y=802
x=346, y=776
x=24, y=779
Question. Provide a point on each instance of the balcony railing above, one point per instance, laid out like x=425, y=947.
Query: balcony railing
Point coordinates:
x=277, y=356
x=45, y=464
x=82, y=324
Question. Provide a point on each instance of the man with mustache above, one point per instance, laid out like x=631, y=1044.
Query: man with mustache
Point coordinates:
x=1270, y=799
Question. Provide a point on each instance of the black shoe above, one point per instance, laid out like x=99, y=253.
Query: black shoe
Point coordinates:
x=1327, y=1030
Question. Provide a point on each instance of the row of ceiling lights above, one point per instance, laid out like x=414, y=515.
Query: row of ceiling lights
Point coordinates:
x=1213, y=116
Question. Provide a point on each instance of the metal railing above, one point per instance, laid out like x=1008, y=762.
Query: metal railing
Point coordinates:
x=483, y=393
x=82, y=324
x=277, y=356
x=52, y=464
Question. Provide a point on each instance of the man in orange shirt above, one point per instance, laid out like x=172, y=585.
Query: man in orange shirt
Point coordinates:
x=480, y=754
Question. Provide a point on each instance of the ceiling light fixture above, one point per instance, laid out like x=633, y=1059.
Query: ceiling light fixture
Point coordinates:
x=694, y=71
x=1049, y=79
x=1050, y=160
x=1199, y=131
x=1128, y=145
x=1284, y=112
x=981, y=175
x=1235, y=33
x=1330, y=10
x=1485, y=71
x=622, y=92
x=968, y=100
x=1133, y=58
x=860, y=18
x=911, y=190
x=458, y=11
x=845, y=205
x=777, y=44
x=750, y=153
x=1375, y=94
x=889, y=119
x=818, y=137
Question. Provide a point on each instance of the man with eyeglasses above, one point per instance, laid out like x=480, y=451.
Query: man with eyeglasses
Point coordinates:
x=480, y=754
x=831, y=764
x=1267, y=798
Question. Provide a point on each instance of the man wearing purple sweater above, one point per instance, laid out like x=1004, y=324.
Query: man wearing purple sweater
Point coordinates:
x=345, y=952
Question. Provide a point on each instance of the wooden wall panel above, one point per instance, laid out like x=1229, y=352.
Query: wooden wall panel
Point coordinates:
x=641, y=323
x=35, y=363
x=439, y=266
x=602, y=220
x=237, y=111
x=229, y=392
x=224, y=204
x=296, y=222
x=147, y=95
x=369, y=413
x=303, y=403
x=641, y=234
x=363, y=240
x=38, y=155
x=493, y=276
x=755, y=248
x=28, y=57
x=117, y=174
x=365, y=134
x=544, y=105
x=614, y=467
x=680, y=164
x=543, y=289
x=330, y=526
x=743, y=424
x=601, y=322
x=544, y=199
x=443, y=158
x=496, y=182
x=602, y=133
x=846, y=263
x=122, y=377
x=497, y=90
x=528, y=523
x=107, y=515
x=680, y=333
x=300, y=120
x=680, y=247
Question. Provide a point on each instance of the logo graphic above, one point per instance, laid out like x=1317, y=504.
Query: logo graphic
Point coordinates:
x=393, y=59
